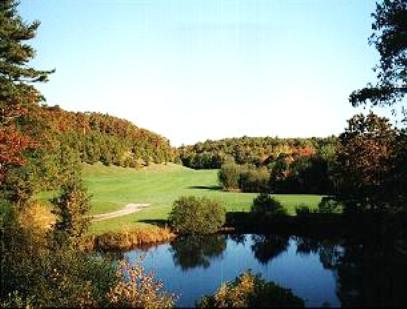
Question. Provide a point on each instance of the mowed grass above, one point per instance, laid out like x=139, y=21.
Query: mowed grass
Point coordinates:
x=160, y=185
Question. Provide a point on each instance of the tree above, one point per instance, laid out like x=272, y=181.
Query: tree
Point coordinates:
x=72, y=207
x=194, y=215
x=12, y=143
x=17, y=93
x=137, y=289
x=254, y=179
x=265, y=206
x=390, y=39
x=229, y=175
x=365, y=159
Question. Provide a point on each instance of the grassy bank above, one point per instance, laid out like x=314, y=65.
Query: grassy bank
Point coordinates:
x=113, y=187
x=127, y=239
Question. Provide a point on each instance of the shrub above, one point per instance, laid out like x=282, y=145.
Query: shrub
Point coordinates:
x=266, y=206
x=229, y=176
x=37, y=216
x=193, y=215
x=249, y=290
x=254, y=179
x=303, y=210
x=329, y=205
x=129, y=238
x=137, y=289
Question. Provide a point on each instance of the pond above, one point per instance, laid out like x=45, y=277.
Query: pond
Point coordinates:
x=321, y=272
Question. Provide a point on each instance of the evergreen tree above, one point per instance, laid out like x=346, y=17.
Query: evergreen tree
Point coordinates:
x=72, y=208
x=17, y=93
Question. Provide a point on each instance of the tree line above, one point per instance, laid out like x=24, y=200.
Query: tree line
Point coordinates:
x=365, y=167
x=267, y=164
x=250, y=150
x=111, y=140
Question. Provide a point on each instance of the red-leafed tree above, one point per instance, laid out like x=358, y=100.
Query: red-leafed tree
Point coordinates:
x=12, y=143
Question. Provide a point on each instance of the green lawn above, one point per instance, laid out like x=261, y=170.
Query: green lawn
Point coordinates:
x=113, y=187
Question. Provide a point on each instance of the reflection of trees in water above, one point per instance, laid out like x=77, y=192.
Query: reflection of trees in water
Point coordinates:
x=267, y=247
x=193, y=251
x=372, y=274
x=238, y=238
x=329, y=251
x=369, y=272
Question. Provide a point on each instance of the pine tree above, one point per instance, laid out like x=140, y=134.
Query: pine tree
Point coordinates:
x=17, y=93
x=72, y=208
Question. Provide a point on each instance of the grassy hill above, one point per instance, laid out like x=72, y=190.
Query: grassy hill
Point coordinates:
x=113, y=187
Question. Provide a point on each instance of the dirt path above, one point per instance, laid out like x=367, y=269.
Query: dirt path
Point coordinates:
x=128, y=209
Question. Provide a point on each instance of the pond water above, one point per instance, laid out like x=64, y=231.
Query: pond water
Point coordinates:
x=322, y=273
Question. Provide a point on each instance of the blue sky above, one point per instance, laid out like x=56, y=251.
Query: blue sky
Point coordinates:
x=197, y=69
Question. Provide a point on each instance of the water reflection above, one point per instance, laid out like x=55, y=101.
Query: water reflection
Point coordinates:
x=267, y=247
x=368, y=272
x=347, y=272
x=239, y=239
x=197, y=251
x=329, y=251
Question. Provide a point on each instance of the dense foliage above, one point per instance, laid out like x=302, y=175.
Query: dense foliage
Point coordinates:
x=250, y=291
x=259, y=151
x=369, y=165
x=286, y=174
x=71, y=210
x=194, y=215
x=137, y=289
x=229, y=176
x=267, y=164
x=111, y=140
x=39, y=272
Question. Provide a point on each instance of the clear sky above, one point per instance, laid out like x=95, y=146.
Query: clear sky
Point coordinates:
x=197, y=69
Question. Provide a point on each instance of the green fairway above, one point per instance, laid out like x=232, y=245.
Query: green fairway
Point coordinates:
x=114, y=187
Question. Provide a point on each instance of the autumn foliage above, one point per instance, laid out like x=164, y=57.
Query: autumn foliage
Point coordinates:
x=250, y=291
x=12, y=144
x=137, y=289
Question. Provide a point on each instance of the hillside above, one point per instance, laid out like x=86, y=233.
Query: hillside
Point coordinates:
x=105, y=138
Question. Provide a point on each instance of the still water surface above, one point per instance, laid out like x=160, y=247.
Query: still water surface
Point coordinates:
x=357, y=271
x=192, y=267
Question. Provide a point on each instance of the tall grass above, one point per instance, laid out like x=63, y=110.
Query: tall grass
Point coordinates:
x=128, y=238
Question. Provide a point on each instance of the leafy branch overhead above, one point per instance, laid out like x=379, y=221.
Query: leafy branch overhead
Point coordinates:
x=390, y=39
